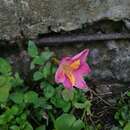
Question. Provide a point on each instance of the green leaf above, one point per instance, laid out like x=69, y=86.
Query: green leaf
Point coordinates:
x=79, y=105
x=88, y=127
x=117, y=115
x=2, y=119
x=128, y=93
x=79, y=96
x=14, y=109
x=32, y=66
x=90, y=60
x=37, y=76
x=8, y=115
x=38, y=60
x=78, y=125
x=14, y=127
x=49, y=90
x=5, y=86
x=4, y=80
x=66, y=106
x=5, y=127
x=67, y=95
x=60, y=103
x=41, y=102
x=41, y=127
x=64, y=122
x=46, y=70
x=18, y=120
x=86, y=105
x=127, y=126
x=54, y=68
x=121, y=122
x=46, y=55
x=17, y=81
x=4, y=92
x=31, y=97
x=17, y=97
x=23, y=116
x=32, y=49
x=68, y=122
x=28, y=126
x=115, y=128
x=5, y=67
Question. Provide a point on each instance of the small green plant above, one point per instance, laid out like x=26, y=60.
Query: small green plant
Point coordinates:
x=68, y=122
x=123, y=112
x=7, y=80
x=46, y=105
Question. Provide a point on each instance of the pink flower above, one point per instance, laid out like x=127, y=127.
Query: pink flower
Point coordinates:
x=72, y=69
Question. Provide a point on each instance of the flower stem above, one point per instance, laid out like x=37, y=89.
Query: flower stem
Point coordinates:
x=83, y=115
x=55, y=60
x=52, y=117
x=107, y=103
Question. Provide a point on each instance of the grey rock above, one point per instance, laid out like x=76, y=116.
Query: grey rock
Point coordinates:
x=127, y=23
x=112, y=62
x=69, y=15
x=112, y=45
x=39, y=16
x=8, y=19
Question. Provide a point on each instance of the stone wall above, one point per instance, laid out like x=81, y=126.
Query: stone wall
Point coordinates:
x=39, y=16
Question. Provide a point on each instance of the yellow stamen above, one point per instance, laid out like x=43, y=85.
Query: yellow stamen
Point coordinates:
x=71, y=78
x=68, y=72
x=75, y=64
x=68, y=69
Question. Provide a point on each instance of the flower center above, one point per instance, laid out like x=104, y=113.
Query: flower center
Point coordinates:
x=68, y=71
x=75, y=65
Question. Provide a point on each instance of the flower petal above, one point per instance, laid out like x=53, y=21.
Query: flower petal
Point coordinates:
x=84, y=69
x=59, y=76
x=82, y=55
x=67, y=84
x=66, y=60
x=80, y=83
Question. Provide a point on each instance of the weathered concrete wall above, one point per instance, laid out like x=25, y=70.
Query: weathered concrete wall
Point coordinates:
x=36, y=16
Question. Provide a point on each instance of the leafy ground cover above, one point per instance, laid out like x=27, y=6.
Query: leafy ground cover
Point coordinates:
x=49, y=106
